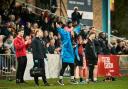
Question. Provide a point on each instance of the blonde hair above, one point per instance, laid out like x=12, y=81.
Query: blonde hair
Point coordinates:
x=38, y=30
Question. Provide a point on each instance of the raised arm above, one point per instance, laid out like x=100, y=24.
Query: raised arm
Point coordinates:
x=77, y=29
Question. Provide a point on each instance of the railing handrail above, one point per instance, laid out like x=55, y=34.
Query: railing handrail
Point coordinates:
x=42, y=9
x=62, y=2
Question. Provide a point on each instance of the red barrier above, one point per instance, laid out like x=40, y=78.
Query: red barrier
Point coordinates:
x=108, y=65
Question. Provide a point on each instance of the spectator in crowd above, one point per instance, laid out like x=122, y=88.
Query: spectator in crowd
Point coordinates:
x=12, y=18
x=58, y=41
x=12, y=28
x=39, y=55
x=52, y=27
x=84, y=31
x=76, y=16
x=8, y=44
x=20, y=47
x=46, y=36
x=45, y=4
x=104, y=49
x=6, y=31
x=58, y=44
x=53, y=6
x=119, y=48
x=51, y=35
x=126, y=47
x=123, y=47
x=45, y=21
x=27, y=29
x=2, y=51
x=91, y=57
x=51, y=47
x=41, y=21
x=113, y=48
x=9, y=49
x=34, y=28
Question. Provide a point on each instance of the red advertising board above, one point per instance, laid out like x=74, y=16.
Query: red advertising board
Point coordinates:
x=108, y=65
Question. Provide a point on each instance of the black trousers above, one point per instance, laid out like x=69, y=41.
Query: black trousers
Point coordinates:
x=91, y=68
x=22, y=62
x=40, y=64
x=64, y=65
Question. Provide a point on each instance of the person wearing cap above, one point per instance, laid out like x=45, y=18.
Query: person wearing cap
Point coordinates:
x=20, y=46
x=76, y=16
x=91, y=57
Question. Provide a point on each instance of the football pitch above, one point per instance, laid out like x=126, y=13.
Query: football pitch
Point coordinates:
x=120, y=83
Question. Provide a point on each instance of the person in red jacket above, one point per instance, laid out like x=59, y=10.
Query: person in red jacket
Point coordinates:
x=20, y=49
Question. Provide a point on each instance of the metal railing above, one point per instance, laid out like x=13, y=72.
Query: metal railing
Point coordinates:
x=7, y=66
x=62, y=5
x=34, y=8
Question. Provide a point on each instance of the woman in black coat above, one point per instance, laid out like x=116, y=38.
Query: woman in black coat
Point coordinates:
x=91, y=58
x=38, y=51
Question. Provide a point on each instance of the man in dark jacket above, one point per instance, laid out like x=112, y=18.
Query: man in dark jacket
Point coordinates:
x=53, y=6
x=38, y=51
x=104, y=49
x=91, y=57
x=27, y=29
x=76, y=16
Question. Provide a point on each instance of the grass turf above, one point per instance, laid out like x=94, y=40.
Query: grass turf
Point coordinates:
x=120, y=83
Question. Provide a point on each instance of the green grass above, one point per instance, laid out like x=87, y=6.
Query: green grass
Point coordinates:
x=120, y=83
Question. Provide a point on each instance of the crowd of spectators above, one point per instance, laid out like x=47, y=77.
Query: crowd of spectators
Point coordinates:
x=22, y=18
